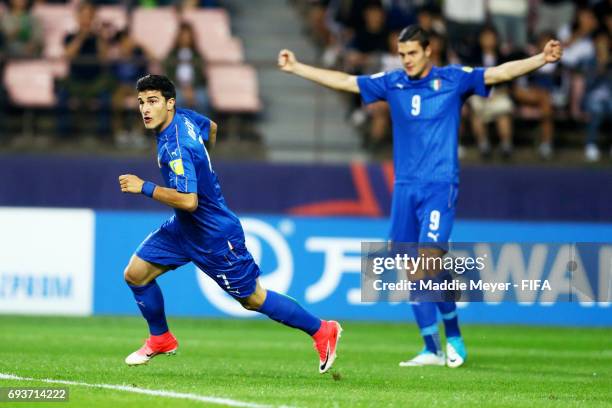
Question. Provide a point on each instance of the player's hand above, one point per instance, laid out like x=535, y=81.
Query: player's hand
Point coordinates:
x=130, y=183
x=552, y=51
x=286, y=60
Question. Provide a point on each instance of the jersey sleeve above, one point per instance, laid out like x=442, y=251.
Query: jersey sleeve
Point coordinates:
x=183, y=176
x=472, y=82
x=372, y=87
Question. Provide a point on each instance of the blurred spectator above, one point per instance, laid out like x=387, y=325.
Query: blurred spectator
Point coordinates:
x=536, y=91
x=349, y=14
x=510, y=20
x=598, y=98
x=376, y=137
x=464, y=21
x=400, y=13
x=88, y=84
x=603, y=11
x=430, y=20
x=439, y=49
x=498, y=107
x=553, y=15
x=23, y=33
x=579, y=55
x=367, y=51
x=369, y=41
x=389, y=60
x=130, y=64
x=185, y=68
x=344, y=17
x=317, y=20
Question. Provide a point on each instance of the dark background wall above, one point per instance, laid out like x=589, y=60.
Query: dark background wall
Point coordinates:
x=486, y=192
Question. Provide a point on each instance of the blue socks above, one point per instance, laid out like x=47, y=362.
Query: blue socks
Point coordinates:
x=277, y=307
x=448, y=310
x=287, y=311
x=150, y=301
x=426, y=317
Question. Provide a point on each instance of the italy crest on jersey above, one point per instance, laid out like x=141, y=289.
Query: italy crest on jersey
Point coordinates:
x=177, y=167
x=436, y=84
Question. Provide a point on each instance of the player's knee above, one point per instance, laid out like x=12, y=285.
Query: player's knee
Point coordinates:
x=252, y=302
x=128, y=275
x=133, y=277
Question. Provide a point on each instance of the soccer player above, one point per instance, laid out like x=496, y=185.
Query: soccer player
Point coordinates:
x=203, y=230
x=425, y=104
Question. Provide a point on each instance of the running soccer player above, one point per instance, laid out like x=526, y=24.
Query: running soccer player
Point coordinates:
x=425, y=103
x=203, y=230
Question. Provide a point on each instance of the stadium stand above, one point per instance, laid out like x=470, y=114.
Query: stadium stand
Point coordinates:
x=30, y=83
x=239, y=68
x=115, y=15
x=57, y=20
x=213, y=36
x=157, y=26
x=554, y=93
x=223, y=54
x=234, y=88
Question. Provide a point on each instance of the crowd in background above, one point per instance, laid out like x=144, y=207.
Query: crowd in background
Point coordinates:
x=104, y=64
x=360, y=37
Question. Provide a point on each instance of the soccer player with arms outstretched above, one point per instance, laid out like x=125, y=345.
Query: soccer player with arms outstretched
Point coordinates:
x=203, y=230
x=425, y=103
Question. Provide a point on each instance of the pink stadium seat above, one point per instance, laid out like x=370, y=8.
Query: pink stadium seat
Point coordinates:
x=211, y=22
x=57, y=20
x=117, y=16
x=227, y=51
x=59, y=68
x=233, y=88
x=213, y=36
x=30, y=83
x=155, y=29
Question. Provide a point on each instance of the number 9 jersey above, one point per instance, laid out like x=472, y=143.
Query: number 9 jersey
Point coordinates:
x=426, y=115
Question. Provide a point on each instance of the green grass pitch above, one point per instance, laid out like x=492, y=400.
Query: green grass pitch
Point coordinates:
x=260, y=362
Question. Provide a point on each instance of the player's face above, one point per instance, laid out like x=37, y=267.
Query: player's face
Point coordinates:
x=155, y=109
x=414, y=58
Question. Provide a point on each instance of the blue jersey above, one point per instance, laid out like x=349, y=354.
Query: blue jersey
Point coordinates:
x=185, y=166
x=426, y=114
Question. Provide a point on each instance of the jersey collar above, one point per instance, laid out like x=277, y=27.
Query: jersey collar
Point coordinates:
x=432, y=73
x=170, y=130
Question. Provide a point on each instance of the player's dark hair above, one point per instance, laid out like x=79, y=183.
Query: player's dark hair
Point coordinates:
x=414, y=32
x=159, y=83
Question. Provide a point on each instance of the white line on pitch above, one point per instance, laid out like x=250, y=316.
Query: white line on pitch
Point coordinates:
x=146, y=391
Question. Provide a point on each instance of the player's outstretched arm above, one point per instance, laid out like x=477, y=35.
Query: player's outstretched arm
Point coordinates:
x=340, y=81
x=506, y=72
x=130, y=183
